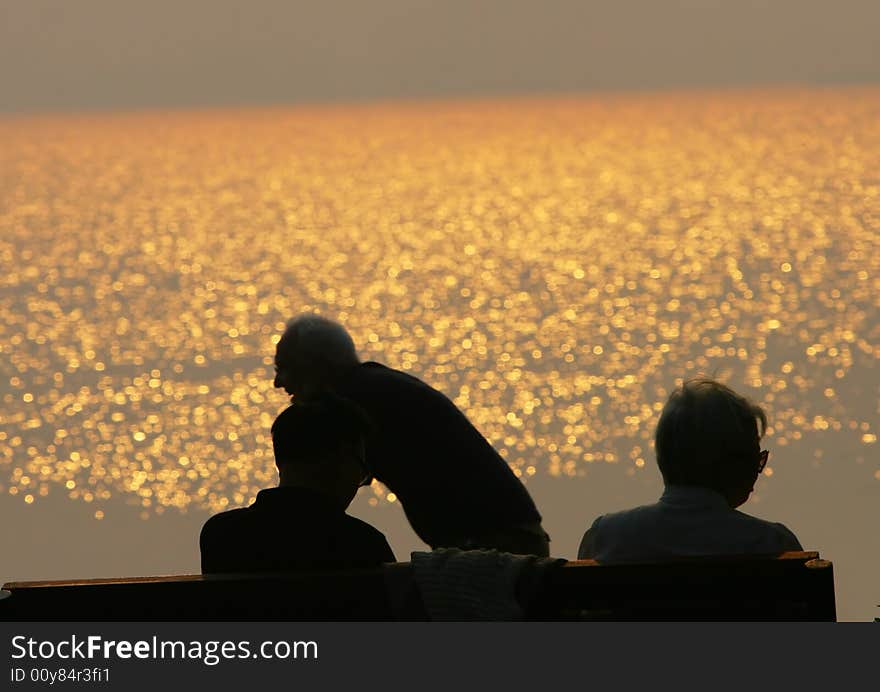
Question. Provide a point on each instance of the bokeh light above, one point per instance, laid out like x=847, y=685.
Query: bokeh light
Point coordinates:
x=554, y=266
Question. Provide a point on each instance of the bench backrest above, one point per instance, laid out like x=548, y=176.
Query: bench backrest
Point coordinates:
x=792, y=586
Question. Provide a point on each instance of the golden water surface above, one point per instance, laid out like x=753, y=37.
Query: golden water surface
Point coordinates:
x=554, y=266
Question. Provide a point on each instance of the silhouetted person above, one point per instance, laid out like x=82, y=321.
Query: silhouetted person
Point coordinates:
x=456, y=490
x=302, y=523
x=708, y=450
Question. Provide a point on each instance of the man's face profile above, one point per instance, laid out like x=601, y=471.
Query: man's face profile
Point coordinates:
x=284, y=370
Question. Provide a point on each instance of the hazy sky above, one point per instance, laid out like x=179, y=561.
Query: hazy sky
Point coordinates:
x=85, y=54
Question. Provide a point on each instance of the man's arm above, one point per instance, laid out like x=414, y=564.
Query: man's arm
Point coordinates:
x=376, y=548
x=385, y=549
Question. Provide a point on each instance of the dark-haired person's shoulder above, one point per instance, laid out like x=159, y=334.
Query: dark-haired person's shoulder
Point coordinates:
x=217, y=534
x=230, y=516
x=223, y=522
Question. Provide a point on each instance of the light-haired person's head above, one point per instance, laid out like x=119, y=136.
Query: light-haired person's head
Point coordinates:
x=320, y=445
x=313, y=353
x=709, y=436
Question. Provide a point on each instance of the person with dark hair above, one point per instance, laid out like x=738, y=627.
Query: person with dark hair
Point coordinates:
x=301, y=524
x=709, y=453
x=455, y=489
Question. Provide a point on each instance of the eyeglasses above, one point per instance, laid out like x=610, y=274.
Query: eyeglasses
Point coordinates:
x=762, y=459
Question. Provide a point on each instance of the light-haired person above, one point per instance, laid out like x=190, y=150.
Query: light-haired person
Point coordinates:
x=708, y=446
x=455, y=489
x=302, y=524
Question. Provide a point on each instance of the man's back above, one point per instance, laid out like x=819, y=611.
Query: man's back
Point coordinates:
x=289, y=528
x=451, y=482
x=686, y=522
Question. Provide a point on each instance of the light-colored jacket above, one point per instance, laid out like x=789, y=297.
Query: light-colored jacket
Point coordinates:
x=686, y=522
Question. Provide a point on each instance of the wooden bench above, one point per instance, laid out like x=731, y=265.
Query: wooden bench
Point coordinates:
x=792, y=586
x=795, y=586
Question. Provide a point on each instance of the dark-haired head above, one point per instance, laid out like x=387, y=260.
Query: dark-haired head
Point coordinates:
x=320, y=445
x=709, y=436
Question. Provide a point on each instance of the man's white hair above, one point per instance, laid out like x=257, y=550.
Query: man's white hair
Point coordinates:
x=314, y=339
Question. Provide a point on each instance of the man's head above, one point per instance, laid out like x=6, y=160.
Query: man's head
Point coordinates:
x=709, y=436
x=320, y=445
x=313, y=354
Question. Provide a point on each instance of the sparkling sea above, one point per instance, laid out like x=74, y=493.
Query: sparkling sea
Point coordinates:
x=555, y=266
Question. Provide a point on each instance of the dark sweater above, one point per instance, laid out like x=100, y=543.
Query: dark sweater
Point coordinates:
x=450, y=481
x=289, y=529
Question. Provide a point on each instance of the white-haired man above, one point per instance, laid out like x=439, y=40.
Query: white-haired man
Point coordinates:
x=455, y=489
